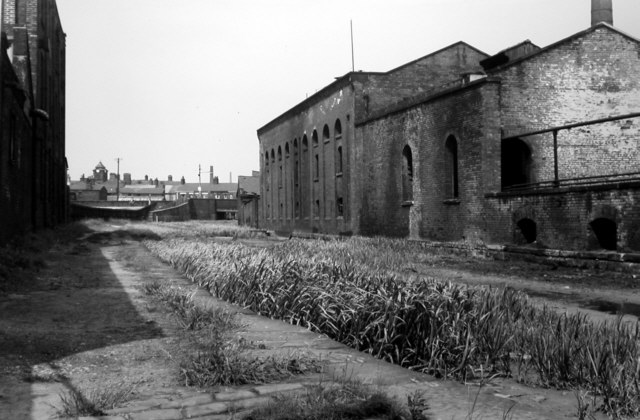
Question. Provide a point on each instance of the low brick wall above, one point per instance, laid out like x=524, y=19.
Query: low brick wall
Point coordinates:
x=83, y=211
x=606, y=260
x=178, y=213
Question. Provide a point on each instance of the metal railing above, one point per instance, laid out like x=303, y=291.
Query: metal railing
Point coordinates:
x=586, y=181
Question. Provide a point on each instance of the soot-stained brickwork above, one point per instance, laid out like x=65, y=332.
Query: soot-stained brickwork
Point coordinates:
x=33, y=167
x=531, y=145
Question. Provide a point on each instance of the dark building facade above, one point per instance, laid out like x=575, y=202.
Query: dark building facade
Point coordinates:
x=528, y=146
x=33, y=174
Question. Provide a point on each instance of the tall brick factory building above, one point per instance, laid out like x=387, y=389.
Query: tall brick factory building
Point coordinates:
x=528, y=146
x=33, y=168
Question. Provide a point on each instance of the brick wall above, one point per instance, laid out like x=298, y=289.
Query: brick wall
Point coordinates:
x=470, y=118
x=563, y=217
x=16, y=157
x=422, y=76
x=590, y=76
x=309, y=141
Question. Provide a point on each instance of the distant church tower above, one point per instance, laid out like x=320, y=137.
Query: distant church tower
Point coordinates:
x=100, y=173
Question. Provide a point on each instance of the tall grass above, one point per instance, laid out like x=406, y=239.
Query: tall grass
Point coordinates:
x=440, y=328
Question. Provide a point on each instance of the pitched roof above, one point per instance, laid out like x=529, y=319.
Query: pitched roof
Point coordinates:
x=248, y=184
x=570, y=38
x=206, y=187
x=142, y=189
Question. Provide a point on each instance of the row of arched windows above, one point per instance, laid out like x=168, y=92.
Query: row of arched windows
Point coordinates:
x=450, y=163
x=304, y=179
x=516, y=163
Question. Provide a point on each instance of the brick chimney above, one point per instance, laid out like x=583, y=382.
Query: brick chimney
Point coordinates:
x=210, y=174
x=601, y=11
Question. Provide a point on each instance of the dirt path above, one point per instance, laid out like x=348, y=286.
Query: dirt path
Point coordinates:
x=82, y=323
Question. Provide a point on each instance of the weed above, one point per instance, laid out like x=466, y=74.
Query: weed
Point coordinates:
x=74, y=404
x=348, y=400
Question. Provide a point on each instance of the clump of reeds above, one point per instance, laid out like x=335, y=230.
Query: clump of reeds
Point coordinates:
x=441, y=328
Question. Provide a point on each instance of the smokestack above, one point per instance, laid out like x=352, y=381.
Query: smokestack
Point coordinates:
x=210, y=174
x=601, y=11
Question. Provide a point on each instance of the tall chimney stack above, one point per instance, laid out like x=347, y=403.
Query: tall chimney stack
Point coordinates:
x=210, y=174
x=601, y=11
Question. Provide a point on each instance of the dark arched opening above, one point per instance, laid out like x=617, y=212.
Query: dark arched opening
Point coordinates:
x=528, y=229
x=451, y=167
x=407, y=174
x=516, y=162
x=606, y=232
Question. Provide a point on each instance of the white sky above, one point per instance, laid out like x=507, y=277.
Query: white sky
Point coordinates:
x=170, y=84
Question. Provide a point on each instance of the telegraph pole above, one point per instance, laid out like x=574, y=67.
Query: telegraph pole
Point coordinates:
x=199, y=181
x=118, y=180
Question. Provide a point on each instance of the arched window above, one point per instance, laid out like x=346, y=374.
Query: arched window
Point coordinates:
x=516, y=162
x=296, y=172
x=314, y=138
x=286, y=150
x=305, y=144
x=606, y=232
x=528, y=229
x=316, y=167
x=451, y=167
x=266, y=170
x=280, y=167
x=337, y=130
x=273, y=156
x=326, y=136
x=407, y=174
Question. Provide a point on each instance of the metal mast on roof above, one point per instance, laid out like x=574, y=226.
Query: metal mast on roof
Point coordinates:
x=353, y=63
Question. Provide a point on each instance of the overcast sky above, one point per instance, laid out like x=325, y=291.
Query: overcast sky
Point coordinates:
x=167, y=85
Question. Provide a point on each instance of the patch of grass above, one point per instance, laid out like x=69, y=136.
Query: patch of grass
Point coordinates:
x=349, y=400
x=75, y=404
x=221, y=360
x=192, y=316
x=227, y=364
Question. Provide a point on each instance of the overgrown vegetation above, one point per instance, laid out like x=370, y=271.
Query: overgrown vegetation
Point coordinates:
x=221, y=359
x=74, y=404
x=349, y=291
x=346, y=400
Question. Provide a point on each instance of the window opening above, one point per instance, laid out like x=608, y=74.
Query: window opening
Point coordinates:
x=516, y=163
x=451, y=147
x=606, y=231
x=325, y=134
x=407, y=174
x=528, y=229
